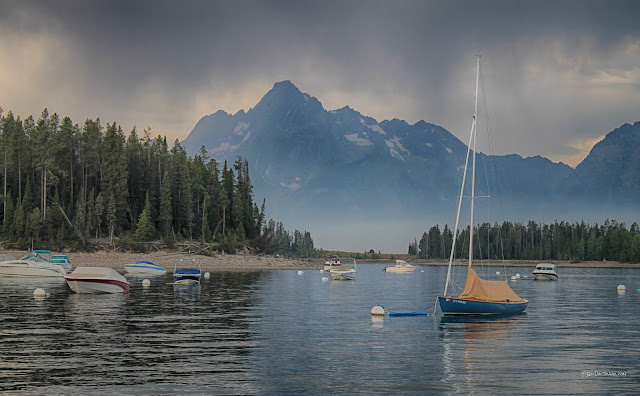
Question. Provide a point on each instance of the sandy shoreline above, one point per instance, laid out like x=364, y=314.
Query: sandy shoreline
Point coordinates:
x=237, y=262
x=226, y=262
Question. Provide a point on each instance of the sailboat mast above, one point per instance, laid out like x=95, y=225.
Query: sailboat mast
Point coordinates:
x=473, y=163
x=464, y=179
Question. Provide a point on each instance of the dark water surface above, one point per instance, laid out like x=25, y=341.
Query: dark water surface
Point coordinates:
x=279, y=332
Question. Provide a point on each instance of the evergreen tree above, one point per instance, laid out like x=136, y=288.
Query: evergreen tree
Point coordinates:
x=145, y=230
x=165, y=219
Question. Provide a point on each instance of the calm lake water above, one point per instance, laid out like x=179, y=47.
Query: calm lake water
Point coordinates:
x=279, y=332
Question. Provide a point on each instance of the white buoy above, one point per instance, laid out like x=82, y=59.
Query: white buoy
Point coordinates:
x=378, y=310
x=518, y=276
x=207, y=275
x=497, y=272
x=422, y=271
x=622, y=288
x=39, y=293
x=146, y=283
x=324, y=279
x=300, y=272
x=514, y=278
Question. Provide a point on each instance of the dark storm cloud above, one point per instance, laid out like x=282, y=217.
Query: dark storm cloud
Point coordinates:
x=406, y=59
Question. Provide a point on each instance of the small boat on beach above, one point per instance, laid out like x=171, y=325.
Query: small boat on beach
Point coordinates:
x=545, y=271
x=343, y=272
x=401, y=267
x=36, y=264
x=331, y=262
x=95, y=280
x=145, y=267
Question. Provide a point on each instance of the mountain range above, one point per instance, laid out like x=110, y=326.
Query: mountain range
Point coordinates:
x=356, y=183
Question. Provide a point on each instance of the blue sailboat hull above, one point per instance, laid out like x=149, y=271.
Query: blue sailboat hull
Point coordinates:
x=457, y=306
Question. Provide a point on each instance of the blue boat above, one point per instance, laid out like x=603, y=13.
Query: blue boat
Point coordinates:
x=145, y=267
x=480, y=296
x=186, y=276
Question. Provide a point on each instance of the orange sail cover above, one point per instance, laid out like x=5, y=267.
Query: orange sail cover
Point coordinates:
x=479, y=289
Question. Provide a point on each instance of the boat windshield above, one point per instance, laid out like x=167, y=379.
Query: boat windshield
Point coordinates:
x=37, y=256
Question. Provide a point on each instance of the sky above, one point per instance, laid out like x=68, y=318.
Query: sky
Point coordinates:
x=558, y=75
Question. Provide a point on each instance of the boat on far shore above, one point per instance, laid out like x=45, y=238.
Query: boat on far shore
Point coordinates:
x=331, y=262
x=401, y=267
x=545, y=271
x=186, y=276
x=145, y=267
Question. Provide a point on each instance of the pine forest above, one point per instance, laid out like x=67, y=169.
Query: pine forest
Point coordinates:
x=576, y=242
x=70, y=186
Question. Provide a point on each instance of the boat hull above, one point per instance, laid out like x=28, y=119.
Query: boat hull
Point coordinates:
x=97, y=286
x=144, y=269
x=400, y=270
x=343, y=274
x=187, y=276
x=458, y=306
x=545, y=276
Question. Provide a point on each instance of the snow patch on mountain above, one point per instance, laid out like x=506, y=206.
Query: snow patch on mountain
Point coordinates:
x=376, y=128
x=229, y=147
x=241, y=128
x=353, y=137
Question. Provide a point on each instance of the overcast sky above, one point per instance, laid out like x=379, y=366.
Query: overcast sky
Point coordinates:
x=558, y=74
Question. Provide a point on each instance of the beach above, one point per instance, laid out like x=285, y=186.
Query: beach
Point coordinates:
x=216, y=263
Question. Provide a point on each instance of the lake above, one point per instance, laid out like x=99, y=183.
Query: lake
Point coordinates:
x=278, y=332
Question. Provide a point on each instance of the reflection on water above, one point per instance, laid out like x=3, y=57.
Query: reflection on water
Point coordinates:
x=280, y=332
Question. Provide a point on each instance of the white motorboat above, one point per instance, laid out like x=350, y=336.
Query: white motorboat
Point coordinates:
x=145, y=267
x=36, y=264
x=401, y=266
x=93, y=280
x=545, y=271
x=331, y=262
x=343, y=272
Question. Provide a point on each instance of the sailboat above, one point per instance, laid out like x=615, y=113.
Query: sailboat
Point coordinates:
x=480, y=296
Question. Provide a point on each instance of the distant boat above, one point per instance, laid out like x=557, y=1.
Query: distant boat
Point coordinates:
x=401, y=266
x=545, y=271
x=331, y=262
x=36, y=264
x=479, y=297
x=94, y=280
x=186, y=276
x=343, y=272
x=145, y=267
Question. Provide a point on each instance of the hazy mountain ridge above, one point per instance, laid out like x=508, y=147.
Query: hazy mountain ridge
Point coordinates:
x=311, y=163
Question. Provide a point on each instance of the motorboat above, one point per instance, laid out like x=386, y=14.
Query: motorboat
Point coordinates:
x=61, y=259
x=401, y=266
x=145, y=267
x=36, y=264
x=95, y=280
x=343, y=272
x=186, y=276
x=545, y=271
x=331, y=262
